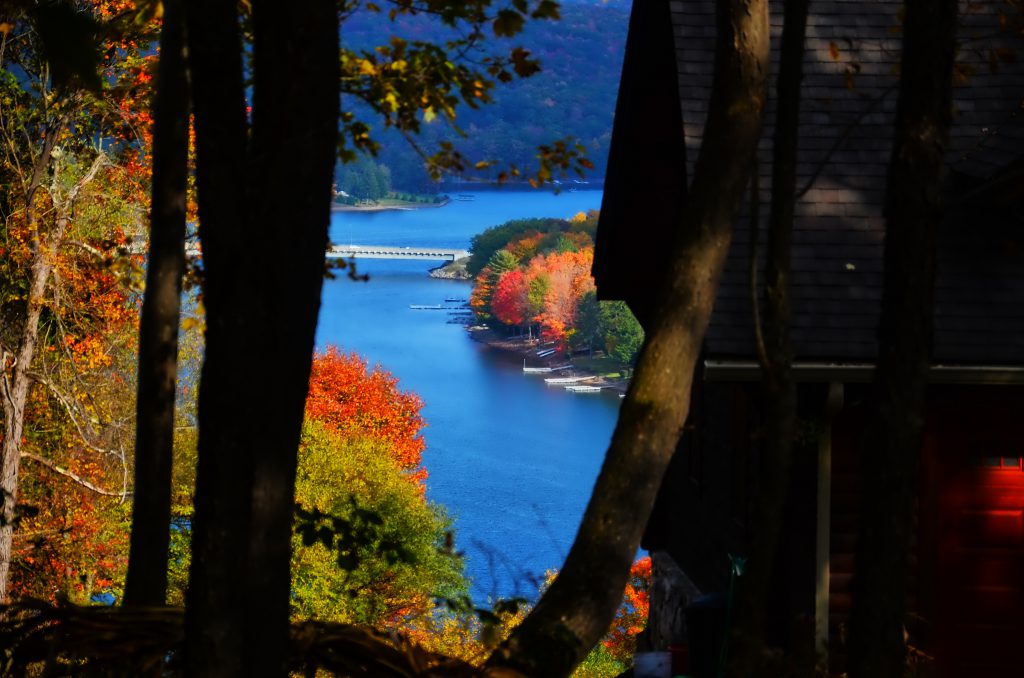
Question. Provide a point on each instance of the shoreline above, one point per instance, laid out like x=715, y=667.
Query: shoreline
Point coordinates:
x=527, y=349
x=451, y=270
x=405, y=207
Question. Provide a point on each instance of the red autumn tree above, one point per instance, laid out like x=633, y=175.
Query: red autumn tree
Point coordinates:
x=568, y=276
x=356, y=402
x=509, y=303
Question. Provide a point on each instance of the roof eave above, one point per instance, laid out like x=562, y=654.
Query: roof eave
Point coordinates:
x=850, y=373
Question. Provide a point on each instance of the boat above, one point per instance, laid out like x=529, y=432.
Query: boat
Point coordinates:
x=583, y=389
x=566, y=380
x=545, y=353
x=543, y=370
x=454, y=300
x=426, y=307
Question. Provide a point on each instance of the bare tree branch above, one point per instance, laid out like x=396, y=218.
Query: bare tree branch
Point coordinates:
x=72, y=475
x=70, y=408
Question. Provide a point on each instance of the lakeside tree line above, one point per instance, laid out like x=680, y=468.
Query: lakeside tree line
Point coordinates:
x=532, y=277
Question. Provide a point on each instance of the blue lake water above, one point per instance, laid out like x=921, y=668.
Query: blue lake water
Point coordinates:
x=512, y=460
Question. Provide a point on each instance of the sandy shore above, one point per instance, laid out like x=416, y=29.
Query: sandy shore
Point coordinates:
x=527, y=349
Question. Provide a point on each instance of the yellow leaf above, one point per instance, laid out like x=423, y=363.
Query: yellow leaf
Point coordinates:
x=429, y=114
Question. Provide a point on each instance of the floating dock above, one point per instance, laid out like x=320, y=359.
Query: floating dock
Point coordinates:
x=562, y=381
x=583, y=389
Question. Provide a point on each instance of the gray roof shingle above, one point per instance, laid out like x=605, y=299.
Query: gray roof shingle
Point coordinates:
x=847, y=113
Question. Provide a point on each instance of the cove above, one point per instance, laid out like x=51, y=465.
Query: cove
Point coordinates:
x=512, y=460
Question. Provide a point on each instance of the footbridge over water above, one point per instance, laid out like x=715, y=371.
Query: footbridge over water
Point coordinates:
x=382, y=252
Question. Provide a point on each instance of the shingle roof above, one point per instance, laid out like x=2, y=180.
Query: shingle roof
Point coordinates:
x=848, y=108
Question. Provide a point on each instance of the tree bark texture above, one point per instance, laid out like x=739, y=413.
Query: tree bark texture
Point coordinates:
x=579, y=605
x=264, y=216
x=215, y=601
x=296, y=94
x=16, y=382
x=16, y=392
x=146, y=582
x=893, y=439
x=778, y=392
x=16, y=378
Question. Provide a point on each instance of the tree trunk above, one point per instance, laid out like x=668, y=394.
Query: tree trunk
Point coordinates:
x=264, y=216
x=294, y=141
x=893, y=439
x=215, y=601
x=17, y=382
x=778, y=392
x=576, y=610
x=146, y=582
x=16, y=395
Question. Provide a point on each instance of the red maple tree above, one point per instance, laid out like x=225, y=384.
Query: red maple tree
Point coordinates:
x=357, y=402
x=509, y=303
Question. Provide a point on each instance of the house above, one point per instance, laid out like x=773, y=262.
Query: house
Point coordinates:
x=968, y=562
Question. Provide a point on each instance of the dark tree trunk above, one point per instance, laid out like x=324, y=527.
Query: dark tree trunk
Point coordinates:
x=215, y=602
x=892, y=442
x=146, y=582
x=264, y=235
x=580, y=604
x=294, y=141
x=778, y=391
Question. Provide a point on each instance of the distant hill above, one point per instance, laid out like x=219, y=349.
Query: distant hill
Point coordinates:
x=574, y=95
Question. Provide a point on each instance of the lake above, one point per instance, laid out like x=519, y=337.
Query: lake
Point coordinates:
x=512, y=460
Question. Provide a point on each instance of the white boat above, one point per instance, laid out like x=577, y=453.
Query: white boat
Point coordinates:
x=583, y=389
x=566, y=380
x=543, y=370
x=426, y=307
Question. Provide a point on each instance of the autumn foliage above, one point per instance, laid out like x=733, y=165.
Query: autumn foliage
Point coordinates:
x=356, y=402
x=509, y=303
x=631, y=617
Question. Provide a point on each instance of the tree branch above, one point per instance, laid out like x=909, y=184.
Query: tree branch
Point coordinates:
x=70, y=409
x=577, y=608
x=73, y=476
x=841, y=139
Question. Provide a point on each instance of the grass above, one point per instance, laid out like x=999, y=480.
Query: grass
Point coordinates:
x=603, y=366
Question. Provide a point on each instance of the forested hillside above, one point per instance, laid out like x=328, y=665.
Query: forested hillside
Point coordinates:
x=572, y=96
